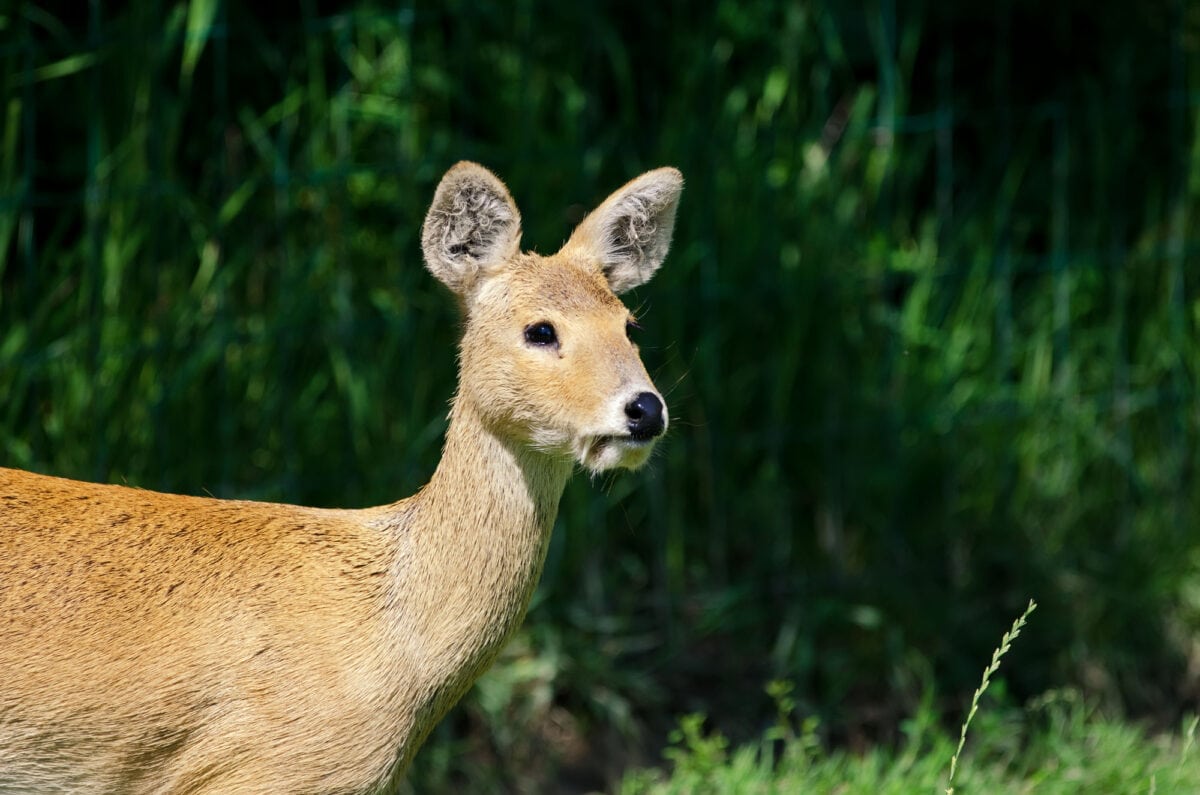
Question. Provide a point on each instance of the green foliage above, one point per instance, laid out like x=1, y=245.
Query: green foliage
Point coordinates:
x=1058, y=746
x=928, y=330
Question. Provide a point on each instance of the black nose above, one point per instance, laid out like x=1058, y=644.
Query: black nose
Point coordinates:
x=645, y=413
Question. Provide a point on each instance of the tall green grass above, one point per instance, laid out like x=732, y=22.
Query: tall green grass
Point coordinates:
x=927, y=330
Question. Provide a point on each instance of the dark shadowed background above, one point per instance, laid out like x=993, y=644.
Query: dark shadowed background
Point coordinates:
x=928, y=330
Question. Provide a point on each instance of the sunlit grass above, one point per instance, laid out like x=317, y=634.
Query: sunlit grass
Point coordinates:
x=1057, y=744
x=1063, y=748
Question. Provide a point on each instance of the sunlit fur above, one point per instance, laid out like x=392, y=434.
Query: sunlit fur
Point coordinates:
x=155, y=643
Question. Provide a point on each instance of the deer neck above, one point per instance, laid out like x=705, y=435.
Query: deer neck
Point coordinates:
x=475, y=545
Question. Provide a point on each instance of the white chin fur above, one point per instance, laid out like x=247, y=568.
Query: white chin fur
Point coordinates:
x=601, y=453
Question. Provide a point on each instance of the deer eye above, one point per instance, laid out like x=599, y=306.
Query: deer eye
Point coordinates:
x=541, y=334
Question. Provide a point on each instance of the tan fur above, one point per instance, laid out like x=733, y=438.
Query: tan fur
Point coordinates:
x=155, y=643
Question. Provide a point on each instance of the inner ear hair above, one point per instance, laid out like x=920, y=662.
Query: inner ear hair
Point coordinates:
x=630, y=233
x=472, y=224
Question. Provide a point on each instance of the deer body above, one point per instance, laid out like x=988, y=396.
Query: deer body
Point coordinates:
x=154, y=643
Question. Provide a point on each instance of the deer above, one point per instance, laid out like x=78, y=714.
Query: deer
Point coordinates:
x=160, y=643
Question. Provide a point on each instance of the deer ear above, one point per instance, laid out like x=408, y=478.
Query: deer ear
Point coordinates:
x=630, y=232
x=471, y=227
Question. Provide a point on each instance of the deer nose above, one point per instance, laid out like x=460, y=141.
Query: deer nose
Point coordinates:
x=645, y=413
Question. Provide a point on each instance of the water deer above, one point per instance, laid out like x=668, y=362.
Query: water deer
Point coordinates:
x=157, y=643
